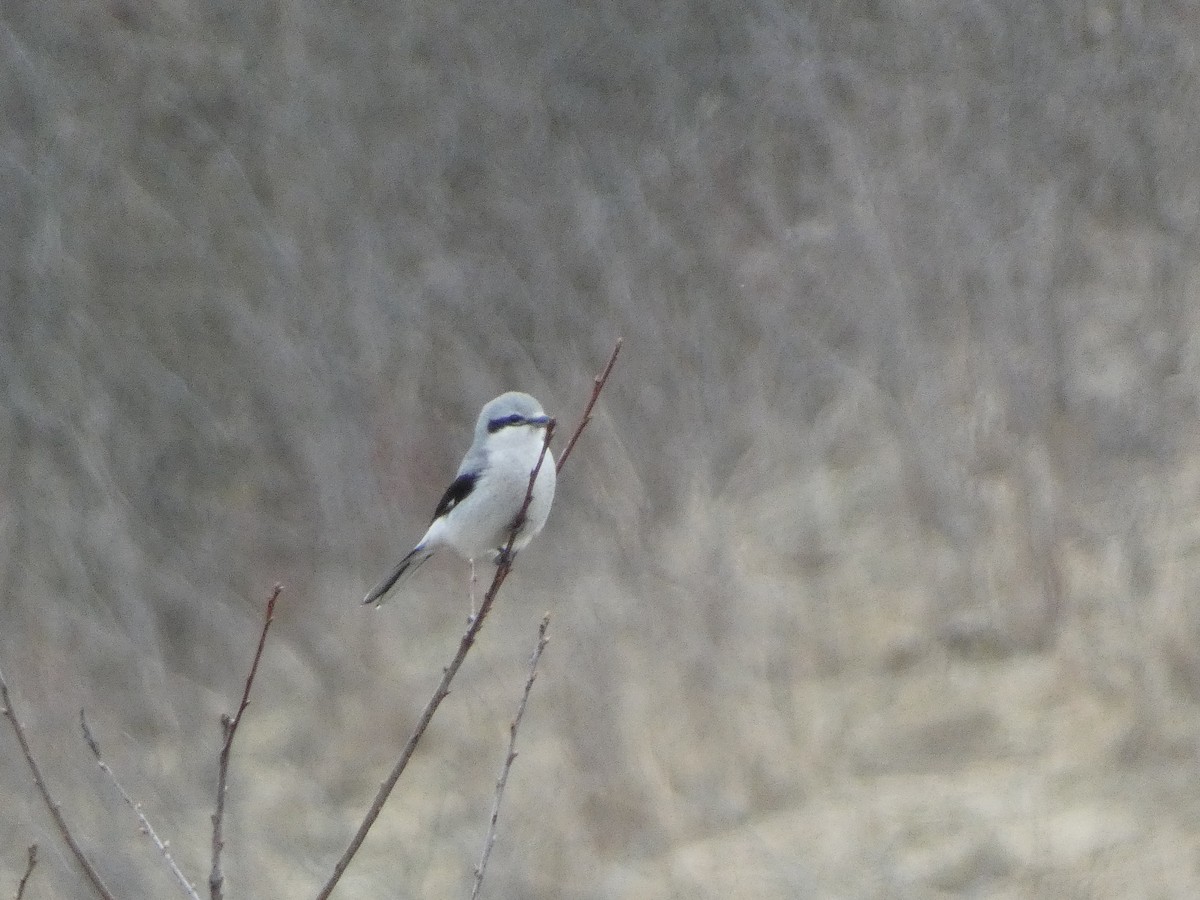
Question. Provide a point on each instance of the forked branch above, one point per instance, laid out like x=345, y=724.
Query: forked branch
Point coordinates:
x=440, y=694
x=465, y=643
x=52, y=805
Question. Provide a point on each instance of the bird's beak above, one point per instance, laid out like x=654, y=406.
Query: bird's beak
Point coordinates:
x=541, y=421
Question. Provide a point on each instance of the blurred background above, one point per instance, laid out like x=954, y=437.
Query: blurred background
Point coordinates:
x=874, y=576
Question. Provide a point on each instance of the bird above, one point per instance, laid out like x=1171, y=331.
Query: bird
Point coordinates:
x=476, y=514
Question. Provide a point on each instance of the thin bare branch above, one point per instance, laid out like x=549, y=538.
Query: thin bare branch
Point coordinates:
x=509, y=757
x=443, y=688
x=229, y=725
x=143, y=822
x=29, y=865
x=464, y=644
x=597, y=386
x=52, y=805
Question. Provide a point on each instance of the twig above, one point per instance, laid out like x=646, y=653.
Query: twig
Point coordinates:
x=28, y=871
x=464, y=644
x=51, y=804
x=216, y=878
x=597, y=386
x=146, y=827
x=490, y=840
x=443, y=688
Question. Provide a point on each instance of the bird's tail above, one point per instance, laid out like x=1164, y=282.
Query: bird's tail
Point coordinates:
x=406, y=566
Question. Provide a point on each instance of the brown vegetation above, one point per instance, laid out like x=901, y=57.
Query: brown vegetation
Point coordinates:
x=875, y=575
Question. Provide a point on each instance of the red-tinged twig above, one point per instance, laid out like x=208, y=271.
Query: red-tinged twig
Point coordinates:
x=443, y=688
x=143, y=822
x=490, y=840
x=52, y=805
x=229, y=725
x=597, y=386
x=32, y=861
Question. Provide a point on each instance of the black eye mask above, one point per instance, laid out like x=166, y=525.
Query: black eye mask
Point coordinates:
x=495, y=425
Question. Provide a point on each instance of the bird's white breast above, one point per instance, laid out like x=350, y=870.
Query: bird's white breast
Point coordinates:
x=482, y=521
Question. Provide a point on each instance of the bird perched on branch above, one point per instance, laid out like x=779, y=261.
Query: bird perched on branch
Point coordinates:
x=476, y=515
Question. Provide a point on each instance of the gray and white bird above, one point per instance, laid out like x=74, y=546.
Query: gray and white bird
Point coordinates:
x=476, y=514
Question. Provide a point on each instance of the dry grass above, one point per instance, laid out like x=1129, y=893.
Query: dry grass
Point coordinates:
x=874, y=576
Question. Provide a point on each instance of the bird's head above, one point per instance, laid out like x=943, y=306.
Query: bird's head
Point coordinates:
x=511, y=410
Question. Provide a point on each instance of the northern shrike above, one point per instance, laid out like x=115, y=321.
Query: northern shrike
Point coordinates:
x=476, y=514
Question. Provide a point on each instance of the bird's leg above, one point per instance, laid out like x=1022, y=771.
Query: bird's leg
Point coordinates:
x=471, y=593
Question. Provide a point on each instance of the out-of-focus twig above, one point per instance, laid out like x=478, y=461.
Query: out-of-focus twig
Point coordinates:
x=147, y=828
x=229, y=725
x=30, y=863
x=466, y=642
x=597, y=386
x=509, y=757
x=52, y=805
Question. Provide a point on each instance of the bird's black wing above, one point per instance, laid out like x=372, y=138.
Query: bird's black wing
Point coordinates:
x=456, y=493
